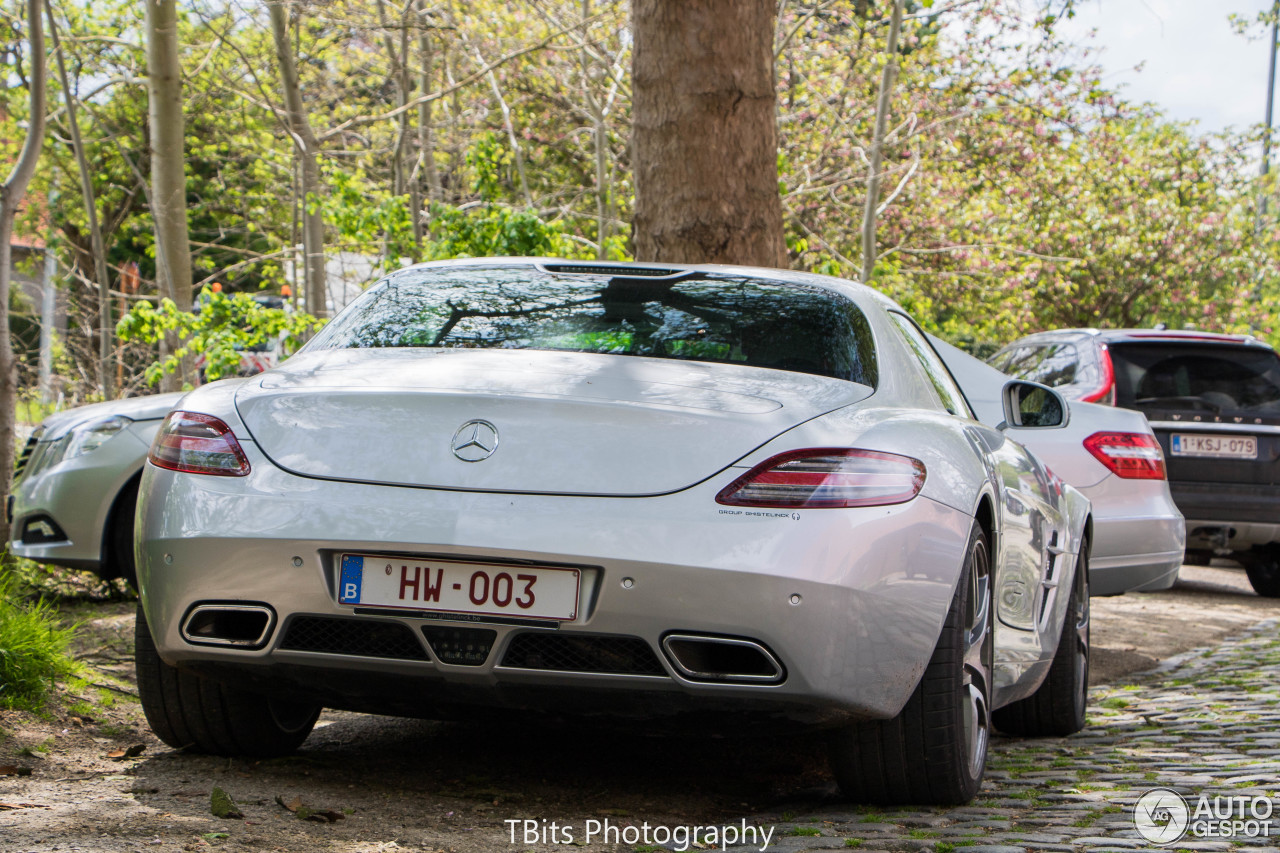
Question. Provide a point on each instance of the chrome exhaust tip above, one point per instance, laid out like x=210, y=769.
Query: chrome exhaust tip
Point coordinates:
x=244, y=626
x=724, y=659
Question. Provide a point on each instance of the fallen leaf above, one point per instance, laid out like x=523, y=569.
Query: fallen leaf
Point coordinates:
x=221, y=805
x=293, y=805
x=15, y=770
x=131, y=752
x=326, y=817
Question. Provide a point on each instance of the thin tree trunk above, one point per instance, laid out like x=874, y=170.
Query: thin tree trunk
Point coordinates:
x=308, y=151
x=599, y=139
x=705, y=137
x=168, y=170
x=426, y=130
x=887, y=79
x=106, y=330
x=11, y=193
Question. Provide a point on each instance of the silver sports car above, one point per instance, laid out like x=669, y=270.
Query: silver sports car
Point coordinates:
x=545, y=485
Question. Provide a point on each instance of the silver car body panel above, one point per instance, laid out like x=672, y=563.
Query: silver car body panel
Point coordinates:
x=849, y=601
x=1138, y=532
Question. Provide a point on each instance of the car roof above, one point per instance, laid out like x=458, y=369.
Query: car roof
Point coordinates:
x=1112, y=336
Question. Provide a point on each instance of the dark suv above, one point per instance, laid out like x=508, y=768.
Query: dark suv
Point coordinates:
x=1213, y=402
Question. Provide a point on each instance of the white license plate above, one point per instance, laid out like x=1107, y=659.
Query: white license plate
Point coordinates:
x=443, y=586
x=1222, y=446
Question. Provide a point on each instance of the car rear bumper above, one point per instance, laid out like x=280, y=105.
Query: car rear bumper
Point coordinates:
x=850, y=602
x=1140, y=550
x=1229, y=516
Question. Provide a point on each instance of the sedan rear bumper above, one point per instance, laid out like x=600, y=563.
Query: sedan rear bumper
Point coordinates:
x=850, y=602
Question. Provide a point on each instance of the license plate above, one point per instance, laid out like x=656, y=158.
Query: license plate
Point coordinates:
x=443, y=586
x=1221, y=446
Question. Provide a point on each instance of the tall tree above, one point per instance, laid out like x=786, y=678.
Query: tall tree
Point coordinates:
x=705, y=137
x=106, y=330
x=168, y=164
x=307, y=149
x=11, y=193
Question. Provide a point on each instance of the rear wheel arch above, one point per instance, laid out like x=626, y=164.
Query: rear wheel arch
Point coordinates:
x=116, y=560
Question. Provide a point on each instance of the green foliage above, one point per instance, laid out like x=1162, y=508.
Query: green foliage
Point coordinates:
x=369, y=216
x=222, y=328
x=495, y=230
x=33, y=648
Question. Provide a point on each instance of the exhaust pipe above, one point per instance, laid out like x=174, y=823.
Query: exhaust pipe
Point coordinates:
x=245, y=626
x=724, y=659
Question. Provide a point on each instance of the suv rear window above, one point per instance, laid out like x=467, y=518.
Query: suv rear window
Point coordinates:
x=1197, y=377
x=707, y=317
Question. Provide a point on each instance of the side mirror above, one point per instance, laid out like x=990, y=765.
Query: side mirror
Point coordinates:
x=1030, y=405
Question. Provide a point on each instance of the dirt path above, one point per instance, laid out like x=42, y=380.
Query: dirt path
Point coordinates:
x=391, y=784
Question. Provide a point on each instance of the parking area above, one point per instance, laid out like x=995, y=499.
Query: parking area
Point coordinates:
x=1207, y=721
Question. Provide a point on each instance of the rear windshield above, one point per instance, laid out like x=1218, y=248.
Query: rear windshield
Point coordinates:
x=1204, y=378
x=718, y=318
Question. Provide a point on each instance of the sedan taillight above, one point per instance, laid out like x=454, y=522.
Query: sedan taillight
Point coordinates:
x=827, y=477
x=198, y=444
x=1131, y=455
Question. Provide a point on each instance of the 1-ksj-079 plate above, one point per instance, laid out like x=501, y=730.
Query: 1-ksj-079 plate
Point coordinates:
x=444, y=586
x=1219, y=446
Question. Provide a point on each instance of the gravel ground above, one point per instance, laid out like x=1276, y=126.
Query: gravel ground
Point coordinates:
x=1204, y=721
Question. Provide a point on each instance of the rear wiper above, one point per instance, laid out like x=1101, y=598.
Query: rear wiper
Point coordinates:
x=1196, y=403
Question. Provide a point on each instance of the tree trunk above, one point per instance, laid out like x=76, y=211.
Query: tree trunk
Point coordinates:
x=308, y=151
x=11, y=193
x=168, y=168
x=887, y=79
x=106, y=329
x=426, y=130
x=705, y=137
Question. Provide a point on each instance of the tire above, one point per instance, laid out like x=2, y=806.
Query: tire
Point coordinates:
x=189, y=712
x=1058, y=705
x=935, y=751
x=1262, y=565
x=118, y=557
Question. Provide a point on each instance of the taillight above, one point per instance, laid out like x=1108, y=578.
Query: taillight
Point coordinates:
x=827, y=477
x=1131, y=455
x=198, y=444
x=1106, y=392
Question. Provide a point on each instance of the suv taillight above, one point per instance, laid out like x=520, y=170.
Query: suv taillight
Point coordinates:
x=1131, y=455
x=1106, y=391
x=198, y=444
x=827, y=477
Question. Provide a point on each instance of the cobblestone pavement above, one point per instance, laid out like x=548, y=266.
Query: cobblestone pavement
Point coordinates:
x=1206, y=722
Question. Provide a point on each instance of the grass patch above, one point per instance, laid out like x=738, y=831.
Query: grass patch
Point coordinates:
x=805, y=831
x=33, y=648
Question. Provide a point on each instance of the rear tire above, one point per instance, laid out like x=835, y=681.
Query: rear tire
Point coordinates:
x=189, y=712
x=935, y=751
x=1262, y=565
x=1058, y=705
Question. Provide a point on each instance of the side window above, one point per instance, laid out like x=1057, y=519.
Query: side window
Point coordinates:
x=952, y=399
x=1051, y=364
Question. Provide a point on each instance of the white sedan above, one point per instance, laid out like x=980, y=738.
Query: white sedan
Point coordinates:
x=540, y=485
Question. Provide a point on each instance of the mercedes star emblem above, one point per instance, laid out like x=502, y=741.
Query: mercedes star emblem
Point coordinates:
x=475, y=441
